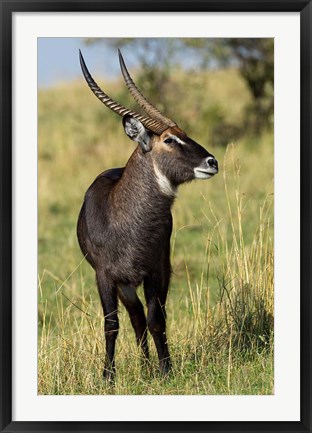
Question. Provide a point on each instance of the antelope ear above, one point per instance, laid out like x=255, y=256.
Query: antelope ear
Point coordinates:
x=137, y=132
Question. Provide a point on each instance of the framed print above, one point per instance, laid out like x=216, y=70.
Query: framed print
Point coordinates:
x=135, y=294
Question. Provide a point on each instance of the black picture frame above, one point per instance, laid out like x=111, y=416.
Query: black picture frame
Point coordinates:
x=8, y=7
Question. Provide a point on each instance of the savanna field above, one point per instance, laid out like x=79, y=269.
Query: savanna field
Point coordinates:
x=220, y=310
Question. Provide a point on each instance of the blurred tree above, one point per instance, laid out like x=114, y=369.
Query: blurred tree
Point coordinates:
x=253, y=57
x=256, y=64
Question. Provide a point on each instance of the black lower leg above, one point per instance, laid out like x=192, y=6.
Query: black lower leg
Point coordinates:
x=111, y=331
x=108, y=294
x=138, y=322
x=160, y=340
x=135, y=309
x=155, y=290
x=156, y=321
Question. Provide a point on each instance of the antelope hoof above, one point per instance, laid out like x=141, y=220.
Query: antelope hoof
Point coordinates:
x=109, y=375
x=165, y=368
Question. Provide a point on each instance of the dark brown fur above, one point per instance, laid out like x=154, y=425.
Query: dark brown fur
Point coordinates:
x=124, y=230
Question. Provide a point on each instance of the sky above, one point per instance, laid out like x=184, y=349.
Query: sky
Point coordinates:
x=58, y=60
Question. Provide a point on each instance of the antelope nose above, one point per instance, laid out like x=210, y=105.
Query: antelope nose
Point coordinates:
x=212, y=162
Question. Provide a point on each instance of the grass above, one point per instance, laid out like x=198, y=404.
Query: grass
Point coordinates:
x=220, y=304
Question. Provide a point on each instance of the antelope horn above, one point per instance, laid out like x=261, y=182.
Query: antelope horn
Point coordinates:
x=153, y=125
x=138, y=96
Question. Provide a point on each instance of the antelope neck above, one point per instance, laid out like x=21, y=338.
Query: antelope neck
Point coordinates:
x=140, y=185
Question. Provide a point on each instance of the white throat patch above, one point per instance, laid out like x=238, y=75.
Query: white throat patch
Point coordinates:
x=164, y=183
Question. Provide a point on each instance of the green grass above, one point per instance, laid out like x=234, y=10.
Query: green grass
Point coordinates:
x=220, y=303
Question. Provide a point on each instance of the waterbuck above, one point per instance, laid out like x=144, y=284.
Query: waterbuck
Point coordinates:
x=125, y=223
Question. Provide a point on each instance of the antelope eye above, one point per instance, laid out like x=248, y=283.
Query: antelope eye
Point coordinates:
x=169, y=141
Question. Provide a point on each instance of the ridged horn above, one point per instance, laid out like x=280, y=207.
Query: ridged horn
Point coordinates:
x=153, y=125
x=140, y=98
